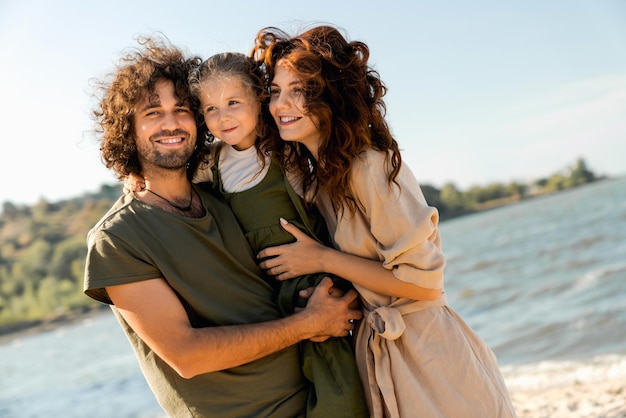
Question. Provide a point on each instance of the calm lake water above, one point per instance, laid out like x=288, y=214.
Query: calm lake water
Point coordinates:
x=542, y=281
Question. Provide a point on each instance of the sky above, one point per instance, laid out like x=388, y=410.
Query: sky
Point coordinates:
x=478, y=92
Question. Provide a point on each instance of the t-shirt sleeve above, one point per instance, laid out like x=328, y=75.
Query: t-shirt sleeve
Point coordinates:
x=112, y=261
x=401, y=222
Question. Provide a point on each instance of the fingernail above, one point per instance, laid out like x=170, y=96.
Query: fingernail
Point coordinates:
x=283, y=221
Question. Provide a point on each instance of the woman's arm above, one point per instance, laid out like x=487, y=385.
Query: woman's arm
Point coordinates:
x=307, y=256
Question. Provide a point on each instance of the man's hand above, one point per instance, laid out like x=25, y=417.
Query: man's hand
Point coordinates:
x=331, y=315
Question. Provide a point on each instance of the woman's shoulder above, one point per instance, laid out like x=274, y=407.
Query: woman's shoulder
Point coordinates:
x=370, y=164
x=369, y=159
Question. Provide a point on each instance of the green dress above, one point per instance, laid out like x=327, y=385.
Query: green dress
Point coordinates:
x=330, y=367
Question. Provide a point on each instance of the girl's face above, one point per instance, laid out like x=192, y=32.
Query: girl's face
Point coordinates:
x=230, y=111
x=287, y=108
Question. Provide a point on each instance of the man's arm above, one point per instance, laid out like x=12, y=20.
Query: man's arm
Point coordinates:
x=153, y=310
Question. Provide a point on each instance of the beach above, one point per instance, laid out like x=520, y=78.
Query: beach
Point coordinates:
x=591, y=388
x=606, y=399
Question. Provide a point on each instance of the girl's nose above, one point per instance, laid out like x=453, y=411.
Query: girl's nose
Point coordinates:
x=223, y=114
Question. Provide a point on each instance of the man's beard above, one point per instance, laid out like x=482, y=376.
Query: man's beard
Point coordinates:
x=172, y=160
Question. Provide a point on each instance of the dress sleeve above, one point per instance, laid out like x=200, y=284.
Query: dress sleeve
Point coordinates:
x=402, y=224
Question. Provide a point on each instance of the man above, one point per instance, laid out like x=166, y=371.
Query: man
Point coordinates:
x=177, y=270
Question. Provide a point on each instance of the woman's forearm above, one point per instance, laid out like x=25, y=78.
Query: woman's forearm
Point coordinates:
x=372, y=275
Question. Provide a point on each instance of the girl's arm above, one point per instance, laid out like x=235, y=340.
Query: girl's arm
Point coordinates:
x=307, y=256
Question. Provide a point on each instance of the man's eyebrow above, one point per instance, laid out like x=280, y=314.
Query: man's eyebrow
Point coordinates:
x=150, y=105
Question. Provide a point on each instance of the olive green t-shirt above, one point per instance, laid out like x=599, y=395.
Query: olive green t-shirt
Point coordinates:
x=208, y=263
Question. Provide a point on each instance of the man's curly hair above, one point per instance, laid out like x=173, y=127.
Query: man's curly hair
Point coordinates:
x=121, y=92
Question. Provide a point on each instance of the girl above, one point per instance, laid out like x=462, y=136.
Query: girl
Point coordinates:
x=229, y=87
x=416, y=356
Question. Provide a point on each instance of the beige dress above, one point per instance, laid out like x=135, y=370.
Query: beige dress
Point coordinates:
x=416, y=358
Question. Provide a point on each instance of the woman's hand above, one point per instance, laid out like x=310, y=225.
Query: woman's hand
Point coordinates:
x=134, y=183
x=304, y=256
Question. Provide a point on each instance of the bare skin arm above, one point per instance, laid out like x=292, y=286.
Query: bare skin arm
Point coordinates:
x=307, y=256
x=152, y=309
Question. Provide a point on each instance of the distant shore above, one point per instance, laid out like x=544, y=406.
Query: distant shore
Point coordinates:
x=10, y=332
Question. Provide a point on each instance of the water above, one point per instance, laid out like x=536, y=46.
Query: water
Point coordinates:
x=86, y=369
x=542, y=281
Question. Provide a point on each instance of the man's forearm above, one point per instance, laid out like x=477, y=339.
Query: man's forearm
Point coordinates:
x=155, y=313
x=219, y=348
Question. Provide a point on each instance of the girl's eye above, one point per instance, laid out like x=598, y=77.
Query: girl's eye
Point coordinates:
x=232, y=102
x=274, y=91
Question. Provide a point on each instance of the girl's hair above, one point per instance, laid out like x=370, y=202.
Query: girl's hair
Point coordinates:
x=232, y=65
x=120, y=93
x=343, y=94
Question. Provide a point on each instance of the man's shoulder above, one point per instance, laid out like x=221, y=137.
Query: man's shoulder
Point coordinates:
x=113, y=218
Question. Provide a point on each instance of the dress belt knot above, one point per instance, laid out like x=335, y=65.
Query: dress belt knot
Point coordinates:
x=386, y=322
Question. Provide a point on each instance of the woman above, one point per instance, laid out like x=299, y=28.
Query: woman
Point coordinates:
x=416, y=355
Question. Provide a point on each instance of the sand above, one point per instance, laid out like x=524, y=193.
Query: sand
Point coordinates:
x=593, y=388
x=605, y=399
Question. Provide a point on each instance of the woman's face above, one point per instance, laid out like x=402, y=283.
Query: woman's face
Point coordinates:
x=287, y=108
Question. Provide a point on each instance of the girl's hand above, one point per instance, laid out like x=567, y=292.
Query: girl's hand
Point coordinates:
x=134, y=183
x=292, y=260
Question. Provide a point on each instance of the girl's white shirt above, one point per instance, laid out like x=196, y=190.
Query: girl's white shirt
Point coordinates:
x=240, y=170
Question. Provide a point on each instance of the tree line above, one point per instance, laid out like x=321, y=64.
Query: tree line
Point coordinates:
x=43, y=246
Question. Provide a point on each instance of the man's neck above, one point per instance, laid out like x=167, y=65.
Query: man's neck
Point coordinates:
x=172, y=187
x=172, y=194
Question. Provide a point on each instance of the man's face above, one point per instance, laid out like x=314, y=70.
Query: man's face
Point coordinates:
x=165, y=130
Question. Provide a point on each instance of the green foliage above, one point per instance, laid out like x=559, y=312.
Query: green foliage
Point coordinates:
x=43, y=247
x=42, y=256
x=452, y=202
